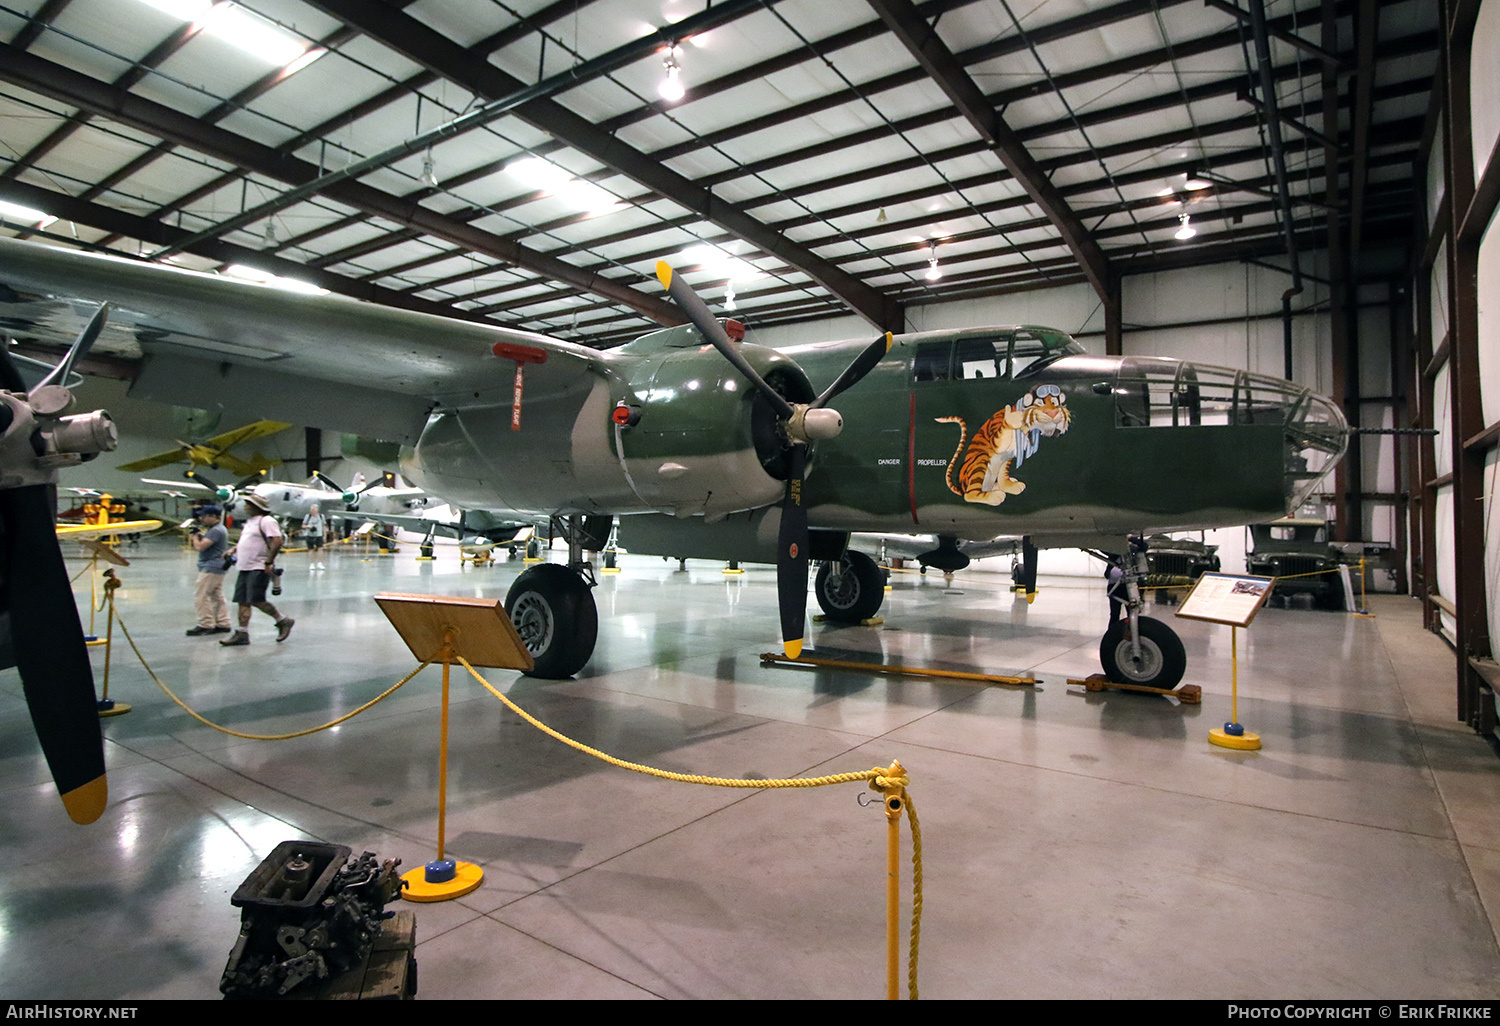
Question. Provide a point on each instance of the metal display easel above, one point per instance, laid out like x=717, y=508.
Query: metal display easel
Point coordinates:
x=440, y=629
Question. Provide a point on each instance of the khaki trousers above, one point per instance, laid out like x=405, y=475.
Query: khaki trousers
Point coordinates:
x=208, y=600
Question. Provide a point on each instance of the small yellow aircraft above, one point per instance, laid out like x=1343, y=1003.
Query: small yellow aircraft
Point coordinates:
x=97, y=522
x=214, y=452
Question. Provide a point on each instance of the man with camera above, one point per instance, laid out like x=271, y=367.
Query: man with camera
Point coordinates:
x=211, y=540
x=260, y=540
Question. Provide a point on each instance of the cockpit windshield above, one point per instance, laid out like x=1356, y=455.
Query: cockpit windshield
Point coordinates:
x=974, y=353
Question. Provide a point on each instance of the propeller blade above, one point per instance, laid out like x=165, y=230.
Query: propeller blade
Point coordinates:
x=683, y=295
x=791, y=557
x=50, y=652
x=862, y=365
x=81, y=345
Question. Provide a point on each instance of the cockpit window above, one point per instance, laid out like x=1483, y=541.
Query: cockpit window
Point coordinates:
x=1003, y=353
x=932, y=360
x=982, y=358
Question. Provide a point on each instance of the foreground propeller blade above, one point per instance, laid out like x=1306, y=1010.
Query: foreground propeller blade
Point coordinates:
x=683, y=295
x=862, y=365
x=50, y=652
x=80, y=348
x=791, y=557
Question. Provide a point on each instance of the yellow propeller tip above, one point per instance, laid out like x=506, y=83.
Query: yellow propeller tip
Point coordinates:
x=890, y=340
x=793, y=649
x=1030, y=597
x=664, y=274
x=86, y=803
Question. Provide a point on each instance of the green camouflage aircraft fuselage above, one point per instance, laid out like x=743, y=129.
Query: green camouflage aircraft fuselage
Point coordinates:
x=970, y=433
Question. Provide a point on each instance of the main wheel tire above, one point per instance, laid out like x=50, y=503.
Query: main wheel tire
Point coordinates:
x=555, y=615
x=1162, y=661
x=855, y=592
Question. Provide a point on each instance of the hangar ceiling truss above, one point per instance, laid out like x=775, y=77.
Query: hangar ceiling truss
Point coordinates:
x=513, y=161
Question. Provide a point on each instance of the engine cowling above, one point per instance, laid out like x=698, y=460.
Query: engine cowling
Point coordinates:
x=704, y=440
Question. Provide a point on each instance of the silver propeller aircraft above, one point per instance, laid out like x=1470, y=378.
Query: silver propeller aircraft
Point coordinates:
x=704, y=445
x=286, y=499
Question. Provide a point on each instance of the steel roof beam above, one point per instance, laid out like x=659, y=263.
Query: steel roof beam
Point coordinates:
x=430, y=49
x=64, y=84
x=933, y=54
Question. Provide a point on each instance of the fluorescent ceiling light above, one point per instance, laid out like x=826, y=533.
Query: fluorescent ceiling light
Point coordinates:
x=182, y=10
x=25, y=215
x=246, y=273
x=253, y=34
x=720, y=264
x=243, y=29
x=548, y=177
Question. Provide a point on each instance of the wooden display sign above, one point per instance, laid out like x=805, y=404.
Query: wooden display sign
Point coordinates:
x=485, y=637
x=1232, y=599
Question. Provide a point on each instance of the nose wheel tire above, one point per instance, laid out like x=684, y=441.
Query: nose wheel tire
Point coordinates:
x=853, y=593
x=555, y=615
x=1162, y=660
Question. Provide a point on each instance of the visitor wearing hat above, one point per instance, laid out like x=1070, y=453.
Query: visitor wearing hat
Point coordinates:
x=211, y=540
x=260, y=540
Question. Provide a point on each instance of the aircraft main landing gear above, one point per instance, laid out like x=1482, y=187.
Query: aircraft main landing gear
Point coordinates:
x=553, y=609
x=850, y=589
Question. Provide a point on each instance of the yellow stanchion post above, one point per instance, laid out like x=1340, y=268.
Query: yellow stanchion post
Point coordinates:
x=1232, y=734
x=892, y=784
x=893, y=806
x=106, y=705
x=443, y=878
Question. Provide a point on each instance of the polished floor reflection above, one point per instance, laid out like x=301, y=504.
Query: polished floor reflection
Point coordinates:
x=1076, y=845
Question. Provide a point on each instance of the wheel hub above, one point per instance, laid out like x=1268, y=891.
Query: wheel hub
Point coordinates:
x=1144, y=666
x=533, y=621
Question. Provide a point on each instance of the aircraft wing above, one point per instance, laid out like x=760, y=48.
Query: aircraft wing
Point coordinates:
x=318, y=360
x=189, y=485
x=161, y=459
x=261, y=428
x=446, y=528
x=80, y=531
x=253, y=467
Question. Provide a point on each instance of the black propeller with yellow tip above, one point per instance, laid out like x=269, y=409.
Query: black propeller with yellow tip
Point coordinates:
x=801, y=424
x=46, y=635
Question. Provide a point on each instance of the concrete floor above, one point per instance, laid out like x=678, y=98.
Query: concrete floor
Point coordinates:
x=1076, y=846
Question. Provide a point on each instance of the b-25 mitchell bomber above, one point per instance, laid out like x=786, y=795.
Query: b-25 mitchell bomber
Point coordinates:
x=702, y=444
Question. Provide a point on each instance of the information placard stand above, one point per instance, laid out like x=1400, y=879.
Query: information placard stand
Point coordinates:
x=439, y=629
x=1231, y=599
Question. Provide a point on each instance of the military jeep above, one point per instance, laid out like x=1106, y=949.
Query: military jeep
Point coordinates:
x=1297, y=552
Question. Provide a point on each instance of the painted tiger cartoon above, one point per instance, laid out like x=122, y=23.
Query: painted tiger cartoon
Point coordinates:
x=1004, y=442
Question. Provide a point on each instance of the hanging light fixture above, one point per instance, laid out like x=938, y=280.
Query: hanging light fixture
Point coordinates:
x=429, y=174
x=729, y=296
x=671, y=87
x=934, y=272
x=1187, y=231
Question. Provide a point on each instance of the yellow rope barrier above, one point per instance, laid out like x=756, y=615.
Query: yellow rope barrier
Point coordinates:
x=257, y=737
x=888, y=780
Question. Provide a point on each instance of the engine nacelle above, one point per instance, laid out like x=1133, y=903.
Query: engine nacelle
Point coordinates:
x=704, y=442
x=696, y=438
